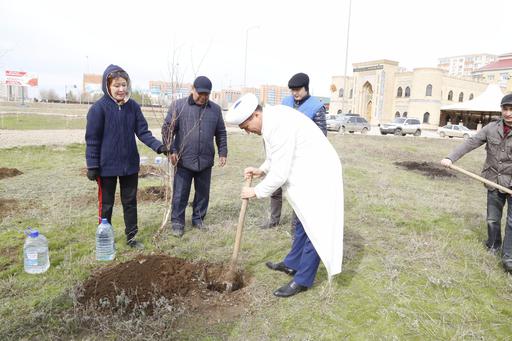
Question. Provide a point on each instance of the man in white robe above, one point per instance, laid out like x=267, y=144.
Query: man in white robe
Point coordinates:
x=301, y=160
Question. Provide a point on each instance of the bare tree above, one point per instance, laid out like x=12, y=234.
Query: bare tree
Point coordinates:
x=49, y=95
x=71, y=97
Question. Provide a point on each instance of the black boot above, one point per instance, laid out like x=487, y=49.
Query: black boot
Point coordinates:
x=280, y=267
x=135, y=244
x=289, y=289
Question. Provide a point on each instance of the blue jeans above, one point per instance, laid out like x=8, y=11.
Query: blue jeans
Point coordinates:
x=181, y=192
x=302, y=257
x=495, y=203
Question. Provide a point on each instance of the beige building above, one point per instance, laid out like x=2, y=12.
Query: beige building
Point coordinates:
x=13, y=92
x=267, y=94
x=163, y=93
x=225, y=97
x=498, y=72
x=272, y=94
x=463, y=66
x=380, y=91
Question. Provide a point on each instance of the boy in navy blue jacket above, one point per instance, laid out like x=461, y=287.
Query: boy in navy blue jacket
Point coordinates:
x=111, y=151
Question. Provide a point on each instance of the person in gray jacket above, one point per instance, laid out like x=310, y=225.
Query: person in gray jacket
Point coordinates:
x=497, y=168
x=191, y=126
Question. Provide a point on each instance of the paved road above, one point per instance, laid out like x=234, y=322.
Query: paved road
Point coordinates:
x=424, y=133
x=15, y=138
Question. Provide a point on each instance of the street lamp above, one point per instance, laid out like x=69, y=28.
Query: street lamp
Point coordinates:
x=245, y=62
x=66, y=91
x=343, y=101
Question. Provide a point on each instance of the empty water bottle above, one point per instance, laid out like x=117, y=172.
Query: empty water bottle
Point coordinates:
x=105, y=248
x=35, y=252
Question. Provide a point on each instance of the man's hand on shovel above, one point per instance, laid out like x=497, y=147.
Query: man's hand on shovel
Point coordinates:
x=253, y=172
x=448, y=163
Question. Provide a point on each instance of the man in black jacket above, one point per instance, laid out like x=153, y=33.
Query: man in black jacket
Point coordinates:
x=189, y=129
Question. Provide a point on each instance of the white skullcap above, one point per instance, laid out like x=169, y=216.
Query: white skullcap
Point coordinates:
x=242, y=109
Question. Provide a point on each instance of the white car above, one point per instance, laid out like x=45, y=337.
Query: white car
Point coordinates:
x=453, y=130
x=402, y=126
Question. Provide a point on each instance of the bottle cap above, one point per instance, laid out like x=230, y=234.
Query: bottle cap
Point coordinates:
x=34, y=233
x=104, y=220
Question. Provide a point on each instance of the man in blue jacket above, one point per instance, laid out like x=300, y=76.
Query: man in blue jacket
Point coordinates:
x=190, y=128
x=111, y=150
x=301, y=100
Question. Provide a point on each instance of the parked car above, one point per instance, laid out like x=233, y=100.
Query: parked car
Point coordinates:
x=402, y=126
x=338, y=116
x=453, y=130
x=352, y=123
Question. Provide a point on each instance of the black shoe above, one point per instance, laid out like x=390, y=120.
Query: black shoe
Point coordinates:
x=135, y=244
x=177, y=232
x=200, y=226
x=269, y=224
x=289, y=289
x=507, y=264
x=280, y=267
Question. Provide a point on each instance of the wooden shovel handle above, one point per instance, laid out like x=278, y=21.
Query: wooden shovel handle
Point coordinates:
x=240, y=226
x=479, y=178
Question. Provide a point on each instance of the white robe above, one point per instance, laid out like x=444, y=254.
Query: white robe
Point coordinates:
x=302, y=161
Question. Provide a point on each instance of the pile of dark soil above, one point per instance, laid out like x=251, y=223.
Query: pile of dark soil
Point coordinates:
x=151, y=193
x=429, y=169
x=9, y=172
x=141, y=282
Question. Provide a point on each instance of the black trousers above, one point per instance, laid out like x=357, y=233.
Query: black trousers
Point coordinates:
x=276, y=203
x=495, y=204
x=181, y=191
x=106, y=197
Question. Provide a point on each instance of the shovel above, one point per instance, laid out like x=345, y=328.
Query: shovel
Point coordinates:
x=479, y=178
x=230, y=277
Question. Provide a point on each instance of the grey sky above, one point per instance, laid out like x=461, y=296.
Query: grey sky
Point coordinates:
x=53, y=38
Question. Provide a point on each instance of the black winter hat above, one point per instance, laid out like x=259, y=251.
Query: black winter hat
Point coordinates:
x=506, y=100
x=299, y=80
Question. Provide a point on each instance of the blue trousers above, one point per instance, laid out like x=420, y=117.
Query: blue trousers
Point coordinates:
x=302, y=258
x=181, y=192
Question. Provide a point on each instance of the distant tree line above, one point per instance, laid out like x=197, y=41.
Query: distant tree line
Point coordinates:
x=51, y=96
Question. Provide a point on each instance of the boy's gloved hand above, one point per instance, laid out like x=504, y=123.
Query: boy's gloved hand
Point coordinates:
x=163, y=150
x=93, y=173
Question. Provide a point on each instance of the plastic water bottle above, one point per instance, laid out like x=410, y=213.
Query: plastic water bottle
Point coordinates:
x=105, y=248
x=35, y=252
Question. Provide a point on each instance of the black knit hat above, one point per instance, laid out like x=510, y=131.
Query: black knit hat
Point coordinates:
x=299, y=80
x=506, y=100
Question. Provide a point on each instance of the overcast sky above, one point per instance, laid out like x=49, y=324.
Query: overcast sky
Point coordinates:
x=60, y=40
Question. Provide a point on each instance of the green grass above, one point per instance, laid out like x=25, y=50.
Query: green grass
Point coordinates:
x=58, y=116
x=31, y=121
x=414, y=265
